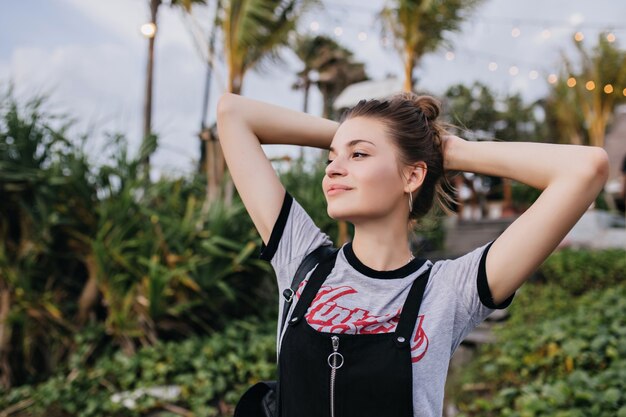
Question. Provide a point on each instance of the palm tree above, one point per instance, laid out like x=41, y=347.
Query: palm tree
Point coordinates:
x=307, y=48
x=334, y=64
x=564, y=117
x=147, y=111
x=599, y=83
x=253, y=32
x=419, y=26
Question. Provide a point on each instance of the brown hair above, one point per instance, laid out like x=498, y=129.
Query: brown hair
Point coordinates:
x=411, y=122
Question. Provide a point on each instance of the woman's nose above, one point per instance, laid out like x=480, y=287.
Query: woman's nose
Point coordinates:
x=336, y=167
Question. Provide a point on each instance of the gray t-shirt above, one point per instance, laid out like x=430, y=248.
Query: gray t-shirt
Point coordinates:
x=358, y=300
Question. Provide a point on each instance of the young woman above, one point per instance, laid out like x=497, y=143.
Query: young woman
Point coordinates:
x=362, y=338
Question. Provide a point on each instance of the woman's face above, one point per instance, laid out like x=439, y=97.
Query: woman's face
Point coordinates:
x=362, y=178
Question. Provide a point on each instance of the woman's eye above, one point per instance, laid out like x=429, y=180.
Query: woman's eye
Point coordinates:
x=358, y=153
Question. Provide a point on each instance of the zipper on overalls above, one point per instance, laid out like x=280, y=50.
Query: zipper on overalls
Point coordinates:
x=332, y=362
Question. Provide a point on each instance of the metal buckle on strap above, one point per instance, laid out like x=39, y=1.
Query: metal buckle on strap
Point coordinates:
x=288, y=294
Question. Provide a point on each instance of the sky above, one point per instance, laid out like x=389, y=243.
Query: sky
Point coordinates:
x=90, y=58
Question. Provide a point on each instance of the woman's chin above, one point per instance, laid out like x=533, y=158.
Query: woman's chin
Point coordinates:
x=341, y=214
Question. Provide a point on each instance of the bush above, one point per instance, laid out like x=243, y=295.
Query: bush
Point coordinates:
x=562, y=353
x=579, y=271
x=212, y=373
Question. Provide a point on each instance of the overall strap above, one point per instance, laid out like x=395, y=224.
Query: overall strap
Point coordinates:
x=410, y=310
x=307, y=264
x=316, y=280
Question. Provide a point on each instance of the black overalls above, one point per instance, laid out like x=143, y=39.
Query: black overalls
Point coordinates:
x=347, y=375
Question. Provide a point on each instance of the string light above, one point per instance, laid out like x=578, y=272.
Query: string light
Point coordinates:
x=148, y=30
x=492, y=66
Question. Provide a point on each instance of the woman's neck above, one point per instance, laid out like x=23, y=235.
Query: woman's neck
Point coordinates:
x=382, y=246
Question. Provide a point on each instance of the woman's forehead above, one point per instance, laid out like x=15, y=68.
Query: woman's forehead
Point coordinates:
x=360, y=130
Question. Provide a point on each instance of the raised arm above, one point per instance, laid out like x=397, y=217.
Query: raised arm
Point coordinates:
x=570, y=176
x=243, y=125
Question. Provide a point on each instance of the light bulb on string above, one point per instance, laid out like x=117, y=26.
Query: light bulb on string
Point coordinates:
x=578, y=37
x=590, y=85
x=362, y=36
x=610, y=37
x=571, y=82
x=624, y=92
x=513, y=70
x=546, y=34
x=449, y=55
x=314, y=26
x=493, y=66
x=148, y=30
x=533, y=75
x=338, y=31
x=516, y=32
x=552, y=78
x=608, y=89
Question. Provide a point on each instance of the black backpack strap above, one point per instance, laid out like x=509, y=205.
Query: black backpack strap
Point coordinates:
x=307, y=264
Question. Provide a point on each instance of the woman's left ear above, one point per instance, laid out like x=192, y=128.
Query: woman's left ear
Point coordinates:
x=417, y=175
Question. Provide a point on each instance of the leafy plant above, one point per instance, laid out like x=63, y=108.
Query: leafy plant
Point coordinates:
x=561, y=352
x=210, y=374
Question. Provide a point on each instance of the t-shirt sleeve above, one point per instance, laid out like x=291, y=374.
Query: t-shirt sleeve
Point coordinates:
x=293, y=236
x=474, y=302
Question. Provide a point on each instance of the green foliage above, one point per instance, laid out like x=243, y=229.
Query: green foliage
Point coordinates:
x=562, y=351
x=211, y=372
x=523, y=195
x=83, y=244
x=580, y=271
x=487, y=116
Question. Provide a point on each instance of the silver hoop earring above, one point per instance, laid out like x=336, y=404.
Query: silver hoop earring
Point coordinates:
x=410, y=202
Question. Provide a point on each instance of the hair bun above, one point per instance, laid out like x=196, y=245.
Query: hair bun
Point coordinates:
x=429, y=106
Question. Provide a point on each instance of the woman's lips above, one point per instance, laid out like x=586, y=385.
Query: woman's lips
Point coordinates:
x=337, y=191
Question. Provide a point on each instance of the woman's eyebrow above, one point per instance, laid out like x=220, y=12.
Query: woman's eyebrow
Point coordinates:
x=352, y=143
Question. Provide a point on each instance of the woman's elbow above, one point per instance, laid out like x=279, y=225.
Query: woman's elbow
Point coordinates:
x=596, y=166
x=226, y=104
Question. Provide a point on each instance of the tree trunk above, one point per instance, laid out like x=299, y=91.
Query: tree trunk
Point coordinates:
x=202, y=163
x=507, y=203
x=213, y=184
x=307, y=87
x=5, y=337
x=343, y=232
x=89, y=295
x=147, y=110
x=409, y=65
